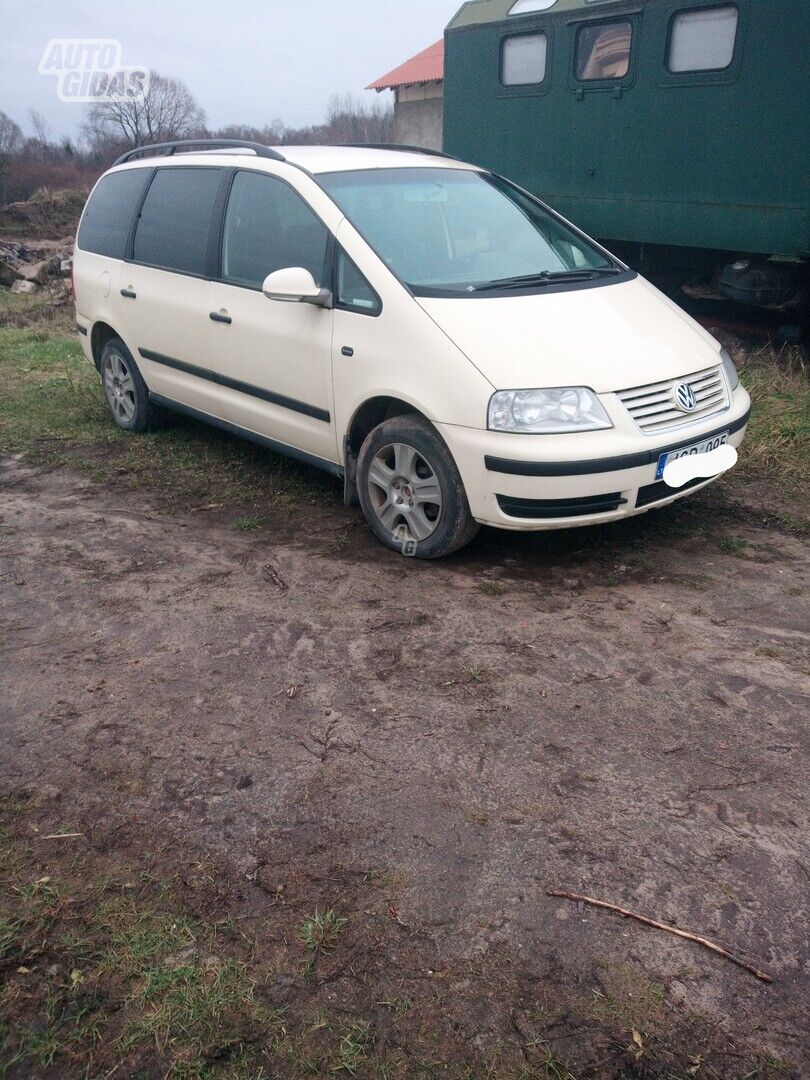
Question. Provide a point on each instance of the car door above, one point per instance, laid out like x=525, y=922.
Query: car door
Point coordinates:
x=164, y=286
x=274, y=357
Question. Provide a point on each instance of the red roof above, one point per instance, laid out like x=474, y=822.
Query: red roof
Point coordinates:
x=426, y=66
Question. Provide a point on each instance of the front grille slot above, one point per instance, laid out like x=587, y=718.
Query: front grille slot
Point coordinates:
x=653, y=407
x=653, y=493
x=560, y=508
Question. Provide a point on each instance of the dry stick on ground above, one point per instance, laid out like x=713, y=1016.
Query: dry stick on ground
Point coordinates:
x=663, y=926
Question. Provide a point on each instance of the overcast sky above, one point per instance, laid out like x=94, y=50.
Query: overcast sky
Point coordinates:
x=246, y=61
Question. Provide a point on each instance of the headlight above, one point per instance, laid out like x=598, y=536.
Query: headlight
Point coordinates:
x=732, y=377
x=547, y=412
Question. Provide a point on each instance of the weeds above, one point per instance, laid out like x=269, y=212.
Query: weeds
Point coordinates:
x=352, y=1052
x=777, y=447
x=320, y=933
x=247, y=523
x=732, y=545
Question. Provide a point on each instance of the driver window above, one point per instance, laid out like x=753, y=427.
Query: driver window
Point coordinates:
x=269, y=227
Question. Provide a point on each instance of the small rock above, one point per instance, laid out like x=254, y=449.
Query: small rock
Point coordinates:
x=22, y=286
x=8, y=273
x=66, y=267
x=37, y=271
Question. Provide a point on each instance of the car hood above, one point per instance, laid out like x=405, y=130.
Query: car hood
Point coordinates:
x=608, y=338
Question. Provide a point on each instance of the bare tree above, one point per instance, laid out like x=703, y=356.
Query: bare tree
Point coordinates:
x=10, y=142
x=350, y=121
x=42, y=132
x=169, y=111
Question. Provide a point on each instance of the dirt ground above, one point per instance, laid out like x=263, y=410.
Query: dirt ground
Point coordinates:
x=619, y=712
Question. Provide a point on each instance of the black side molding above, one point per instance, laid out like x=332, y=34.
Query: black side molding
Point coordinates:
x=236, y=384
x=602, y=465
x=252, y=436
x=81, y=329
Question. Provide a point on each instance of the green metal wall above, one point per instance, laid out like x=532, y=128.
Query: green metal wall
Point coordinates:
x=712, y=160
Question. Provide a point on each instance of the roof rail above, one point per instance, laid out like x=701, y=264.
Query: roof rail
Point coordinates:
x=403, y=148
x=186, y=146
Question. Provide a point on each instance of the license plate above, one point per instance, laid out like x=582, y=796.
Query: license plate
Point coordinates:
x=704, y=447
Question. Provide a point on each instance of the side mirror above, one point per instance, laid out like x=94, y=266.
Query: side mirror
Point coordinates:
x=295, y=285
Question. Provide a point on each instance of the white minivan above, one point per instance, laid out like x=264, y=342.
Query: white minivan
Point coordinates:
x=435, y=336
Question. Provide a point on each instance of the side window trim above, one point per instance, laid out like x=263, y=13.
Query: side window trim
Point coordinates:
x=130, y=248
x=218, y=237
x=217, y=234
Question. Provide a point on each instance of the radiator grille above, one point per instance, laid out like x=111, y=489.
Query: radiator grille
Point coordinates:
x=654, y=407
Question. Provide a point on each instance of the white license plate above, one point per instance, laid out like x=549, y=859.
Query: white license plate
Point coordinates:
x=704, y=447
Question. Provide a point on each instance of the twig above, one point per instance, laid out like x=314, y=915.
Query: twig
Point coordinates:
x=269, y=573
x=663, y=926
x=61, y=835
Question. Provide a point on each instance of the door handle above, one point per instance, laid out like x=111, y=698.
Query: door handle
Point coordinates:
x=129, y=294
x=217, y=316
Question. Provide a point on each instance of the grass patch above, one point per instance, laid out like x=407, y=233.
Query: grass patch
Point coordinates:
x=52, y=410
x=320, y=933
x=732, y=545
x=777, y=446
x=139, y=967
x=247, y=523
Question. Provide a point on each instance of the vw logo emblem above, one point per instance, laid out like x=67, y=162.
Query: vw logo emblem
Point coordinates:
x=685, y=397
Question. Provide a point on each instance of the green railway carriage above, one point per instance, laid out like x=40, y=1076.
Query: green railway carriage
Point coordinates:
x=681, y=123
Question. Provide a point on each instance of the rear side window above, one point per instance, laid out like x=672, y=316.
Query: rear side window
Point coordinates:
x=173, y=228
x=603, y=50
x=269, y=227
x=703, y=40
x=111, y=211
x=523, y=59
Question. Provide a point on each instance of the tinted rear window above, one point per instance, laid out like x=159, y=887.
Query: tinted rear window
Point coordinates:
x=175, y=220
x=110, y=212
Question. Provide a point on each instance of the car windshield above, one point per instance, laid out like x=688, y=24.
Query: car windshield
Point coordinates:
x=453, y=231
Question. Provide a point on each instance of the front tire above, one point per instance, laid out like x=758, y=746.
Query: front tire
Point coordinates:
x=125, y=392
x=411, y=491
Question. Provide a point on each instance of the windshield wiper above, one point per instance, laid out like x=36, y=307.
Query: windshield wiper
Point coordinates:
x=547, y=277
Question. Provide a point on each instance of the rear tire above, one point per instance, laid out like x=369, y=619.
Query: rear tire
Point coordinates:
x=411, y=491
x=125, y=392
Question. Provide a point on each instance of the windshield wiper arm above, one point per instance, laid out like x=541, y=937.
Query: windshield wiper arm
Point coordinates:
x=547, y=277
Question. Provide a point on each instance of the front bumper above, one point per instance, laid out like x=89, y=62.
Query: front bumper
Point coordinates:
x=530, y=482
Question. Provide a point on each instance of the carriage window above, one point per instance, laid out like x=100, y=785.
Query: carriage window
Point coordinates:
x=523, y=7
x=603, y=50
x=523, y=60
x=703, y=40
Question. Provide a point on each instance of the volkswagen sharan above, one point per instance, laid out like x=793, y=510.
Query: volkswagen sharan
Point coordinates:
x=444, y=343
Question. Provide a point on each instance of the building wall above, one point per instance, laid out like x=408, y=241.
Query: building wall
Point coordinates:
x=419, y=116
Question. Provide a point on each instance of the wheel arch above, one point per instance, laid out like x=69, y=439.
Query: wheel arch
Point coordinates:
x=366, y=417
x=101, y=333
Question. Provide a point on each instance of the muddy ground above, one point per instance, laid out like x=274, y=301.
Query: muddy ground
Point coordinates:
x=618, y=712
